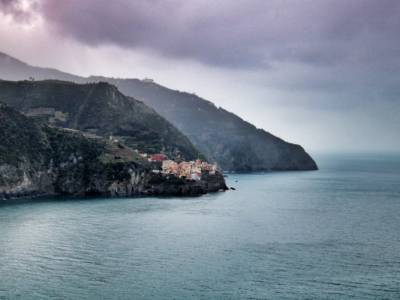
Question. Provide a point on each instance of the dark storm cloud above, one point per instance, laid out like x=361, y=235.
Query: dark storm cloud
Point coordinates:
x=8, y=5
x=251, y=33
x=17, y=10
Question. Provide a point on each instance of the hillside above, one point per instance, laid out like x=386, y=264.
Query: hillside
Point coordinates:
x=38, y=160
x=220, y=135
x=97, y=108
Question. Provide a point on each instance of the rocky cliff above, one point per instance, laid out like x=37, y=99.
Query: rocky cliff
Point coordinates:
x=38, y=160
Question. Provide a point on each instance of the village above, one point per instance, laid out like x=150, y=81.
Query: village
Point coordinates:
x=191, y=170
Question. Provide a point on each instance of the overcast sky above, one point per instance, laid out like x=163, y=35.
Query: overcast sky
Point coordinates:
x=325, y=74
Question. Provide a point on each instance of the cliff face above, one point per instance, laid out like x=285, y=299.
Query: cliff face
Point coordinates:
x=98, y=108
x=37, y=160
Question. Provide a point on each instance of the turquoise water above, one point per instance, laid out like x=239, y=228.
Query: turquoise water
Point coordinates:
x=331, y=234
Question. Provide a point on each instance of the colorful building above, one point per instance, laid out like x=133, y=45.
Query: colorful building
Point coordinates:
x=158, y=157
x=192, y=170
x=170, y=167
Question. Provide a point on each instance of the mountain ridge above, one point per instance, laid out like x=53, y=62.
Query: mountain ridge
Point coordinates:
x=220, y=135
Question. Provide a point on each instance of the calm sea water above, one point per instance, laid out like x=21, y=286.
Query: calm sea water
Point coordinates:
x=331, y=234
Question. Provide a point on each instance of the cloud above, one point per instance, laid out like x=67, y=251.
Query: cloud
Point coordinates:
x=240, y=34
x=20, y=10
x=234, y=34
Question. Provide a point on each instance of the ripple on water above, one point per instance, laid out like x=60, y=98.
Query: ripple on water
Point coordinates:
x=308, y=235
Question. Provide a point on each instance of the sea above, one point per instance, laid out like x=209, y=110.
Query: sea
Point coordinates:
x=327, y=234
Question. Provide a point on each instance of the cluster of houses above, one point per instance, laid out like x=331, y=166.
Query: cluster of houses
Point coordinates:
x=185, y=169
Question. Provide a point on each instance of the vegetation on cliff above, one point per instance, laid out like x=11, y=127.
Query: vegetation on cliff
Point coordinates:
x=98, y=108
x=36, y=159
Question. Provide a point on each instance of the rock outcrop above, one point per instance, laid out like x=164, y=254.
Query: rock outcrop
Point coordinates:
x=38, y=160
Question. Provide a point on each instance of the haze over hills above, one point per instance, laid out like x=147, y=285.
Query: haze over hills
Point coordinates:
x=220, y=135
x=14, y=69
